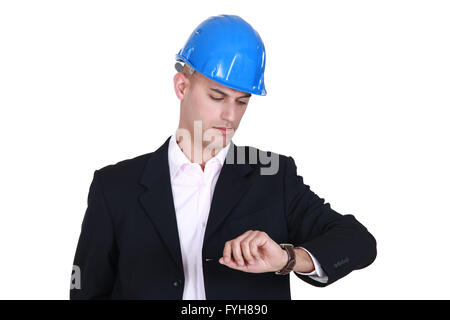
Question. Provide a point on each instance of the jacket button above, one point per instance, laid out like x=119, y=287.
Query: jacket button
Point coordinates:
x=176, y=283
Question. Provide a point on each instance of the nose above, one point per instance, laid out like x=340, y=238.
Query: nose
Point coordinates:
x=228, y=113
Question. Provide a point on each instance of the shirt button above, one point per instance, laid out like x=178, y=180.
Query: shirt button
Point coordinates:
x=204, y=224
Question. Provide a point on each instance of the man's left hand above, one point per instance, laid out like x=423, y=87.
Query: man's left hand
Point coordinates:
x=254, y=251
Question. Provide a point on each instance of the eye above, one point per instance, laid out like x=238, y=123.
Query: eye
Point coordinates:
x=217, y=99
x=242, y=102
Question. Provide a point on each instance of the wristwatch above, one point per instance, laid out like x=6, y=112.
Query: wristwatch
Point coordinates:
x=291, y=259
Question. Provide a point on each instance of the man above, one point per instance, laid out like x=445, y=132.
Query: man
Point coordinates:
x=202, y=218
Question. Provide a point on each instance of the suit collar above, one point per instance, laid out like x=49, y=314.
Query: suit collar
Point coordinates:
x=177, y=159
x=157, y=166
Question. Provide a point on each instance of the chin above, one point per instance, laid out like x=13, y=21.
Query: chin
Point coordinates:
x=219, y=141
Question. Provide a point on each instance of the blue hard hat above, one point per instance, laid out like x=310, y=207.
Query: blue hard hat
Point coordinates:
x=228, y=50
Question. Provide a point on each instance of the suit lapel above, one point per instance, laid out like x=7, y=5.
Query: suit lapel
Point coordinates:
x=230, y=187
x=157, y=201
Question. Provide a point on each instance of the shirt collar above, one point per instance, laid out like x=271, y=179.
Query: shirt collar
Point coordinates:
x=177, y=159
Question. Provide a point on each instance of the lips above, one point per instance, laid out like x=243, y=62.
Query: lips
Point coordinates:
x=224, y=130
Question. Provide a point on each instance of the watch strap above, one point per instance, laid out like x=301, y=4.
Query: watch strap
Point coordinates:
x=291, y=259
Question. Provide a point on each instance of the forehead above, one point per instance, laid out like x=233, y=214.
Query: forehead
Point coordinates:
x=207, y=84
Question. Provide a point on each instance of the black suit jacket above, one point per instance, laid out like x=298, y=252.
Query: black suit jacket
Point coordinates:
x=129, y=246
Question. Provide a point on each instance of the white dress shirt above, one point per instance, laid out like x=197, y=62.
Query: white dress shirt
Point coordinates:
x=192, y=190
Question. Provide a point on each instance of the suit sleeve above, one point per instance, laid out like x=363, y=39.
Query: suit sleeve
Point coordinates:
x=96, y=253
x=340, y=243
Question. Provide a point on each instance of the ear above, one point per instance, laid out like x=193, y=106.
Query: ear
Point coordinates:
x=181, y=84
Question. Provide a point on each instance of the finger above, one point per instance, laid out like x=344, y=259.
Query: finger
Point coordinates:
x=227, y=252
x=244, y=235
x=245, y=247
x=238, y=241
x=237, y=253
x=232, y=264
x=257, y=242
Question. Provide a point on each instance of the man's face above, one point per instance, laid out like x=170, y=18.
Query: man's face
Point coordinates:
x=215, y=105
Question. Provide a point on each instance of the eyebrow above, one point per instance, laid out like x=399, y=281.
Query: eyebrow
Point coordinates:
x=221, y=92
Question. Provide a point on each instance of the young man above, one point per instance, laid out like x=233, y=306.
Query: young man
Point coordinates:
x=202, y=218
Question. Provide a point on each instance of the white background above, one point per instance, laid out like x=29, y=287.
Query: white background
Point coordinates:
x=358, y=95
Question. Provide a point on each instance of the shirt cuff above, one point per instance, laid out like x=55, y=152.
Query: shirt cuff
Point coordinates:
x=317, y=274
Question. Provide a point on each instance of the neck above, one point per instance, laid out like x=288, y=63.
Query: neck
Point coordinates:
x=197, y=152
